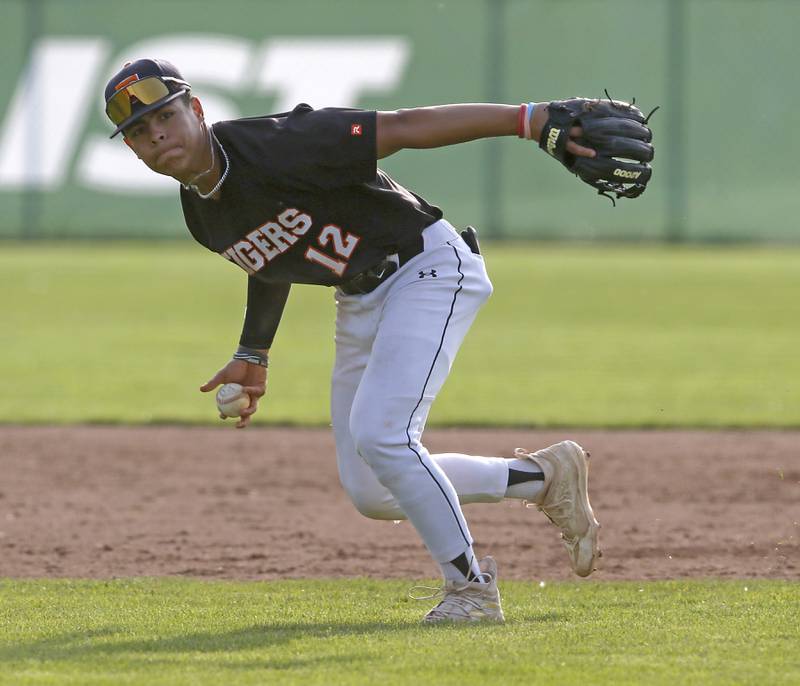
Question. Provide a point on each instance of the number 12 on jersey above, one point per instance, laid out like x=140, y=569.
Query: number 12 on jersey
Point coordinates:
x=342, y=244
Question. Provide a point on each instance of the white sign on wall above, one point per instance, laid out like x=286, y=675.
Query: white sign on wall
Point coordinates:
x=43, y=136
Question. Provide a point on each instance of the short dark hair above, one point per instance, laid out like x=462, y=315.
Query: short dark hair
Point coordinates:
x=186, y=98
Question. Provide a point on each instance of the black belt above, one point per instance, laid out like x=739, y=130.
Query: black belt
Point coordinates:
x=368, y=280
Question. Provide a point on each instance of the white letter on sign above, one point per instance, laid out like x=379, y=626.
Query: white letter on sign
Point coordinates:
x=330, y=72
x=46, y=116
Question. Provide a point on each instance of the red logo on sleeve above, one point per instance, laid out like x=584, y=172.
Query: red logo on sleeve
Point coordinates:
x=355, y=130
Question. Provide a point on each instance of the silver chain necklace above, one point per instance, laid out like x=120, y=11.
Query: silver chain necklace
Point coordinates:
x=191, y=185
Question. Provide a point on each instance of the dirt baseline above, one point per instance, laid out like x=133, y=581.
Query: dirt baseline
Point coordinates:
x=266, y=503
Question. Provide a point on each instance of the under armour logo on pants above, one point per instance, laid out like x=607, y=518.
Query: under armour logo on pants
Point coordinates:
x=431, y=273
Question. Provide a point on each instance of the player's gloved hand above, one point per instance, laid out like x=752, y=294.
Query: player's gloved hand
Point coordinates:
x=253, y=379
x=616, y=131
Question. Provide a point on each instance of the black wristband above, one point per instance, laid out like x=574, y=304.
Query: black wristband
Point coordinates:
x=251, y=356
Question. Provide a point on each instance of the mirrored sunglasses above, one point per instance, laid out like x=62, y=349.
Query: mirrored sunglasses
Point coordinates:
x=147, y=91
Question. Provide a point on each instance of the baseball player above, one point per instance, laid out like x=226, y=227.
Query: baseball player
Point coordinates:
x=298, y=197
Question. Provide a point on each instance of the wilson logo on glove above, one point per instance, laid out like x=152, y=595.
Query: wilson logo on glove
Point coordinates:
x=552, y=139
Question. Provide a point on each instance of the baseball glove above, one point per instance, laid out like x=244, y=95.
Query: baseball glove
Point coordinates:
x=619, y=133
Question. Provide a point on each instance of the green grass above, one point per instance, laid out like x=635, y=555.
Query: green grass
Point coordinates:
x=574, y=335
x=170, y=631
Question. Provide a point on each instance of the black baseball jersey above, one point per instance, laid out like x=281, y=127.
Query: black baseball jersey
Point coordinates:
x=304, y=202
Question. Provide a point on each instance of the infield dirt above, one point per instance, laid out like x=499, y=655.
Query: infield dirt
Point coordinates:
x=266, y=503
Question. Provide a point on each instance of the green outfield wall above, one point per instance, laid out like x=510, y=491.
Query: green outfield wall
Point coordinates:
x=723, y=71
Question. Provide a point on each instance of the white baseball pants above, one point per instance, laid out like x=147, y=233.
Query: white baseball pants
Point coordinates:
x=394, y=349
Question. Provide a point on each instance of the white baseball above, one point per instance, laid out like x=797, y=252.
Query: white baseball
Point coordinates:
x=231, y=400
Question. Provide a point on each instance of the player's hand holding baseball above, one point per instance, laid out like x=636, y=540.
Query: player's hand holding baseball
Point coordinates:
x=253, y=379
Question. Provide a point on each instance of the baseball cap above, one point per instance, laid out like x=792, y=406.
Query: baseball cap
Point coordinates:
x=141, y=87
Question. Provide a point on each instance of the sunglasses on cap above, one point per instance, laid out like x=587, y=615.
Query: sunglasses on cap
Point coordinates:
x=139, y=95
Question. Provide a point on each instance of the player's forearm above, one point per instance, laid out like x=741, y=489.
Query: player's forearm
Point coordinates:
x=433, y=127
x=265, y=303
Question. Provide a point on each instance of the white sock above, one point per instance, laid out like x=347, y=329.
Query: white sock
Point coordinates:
x=527, y=490
x=453, y=573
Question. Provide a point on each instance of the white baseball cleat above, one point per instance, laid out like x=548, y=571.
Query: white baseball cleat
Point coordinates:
x=566, y=501
x=470, y=601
